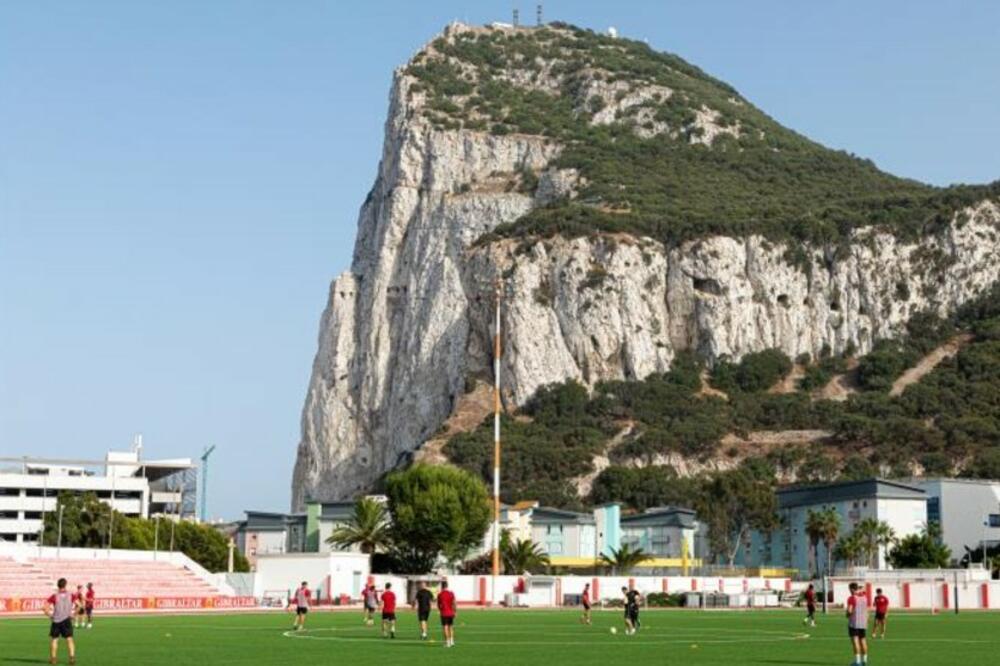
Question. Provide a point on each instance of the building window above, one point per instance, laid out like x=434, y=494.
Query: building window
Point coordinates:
x=554, y=548
x=32, y=515
x=934, y=510
x=994, y=520
x=554, y=529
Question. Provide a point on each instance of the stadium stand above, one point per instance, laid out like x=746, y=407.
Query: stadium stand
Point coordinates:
x=36, y=578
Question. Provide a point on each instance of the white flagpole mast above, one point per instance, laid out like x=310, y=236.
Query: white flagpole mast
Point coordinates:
x=496, y=444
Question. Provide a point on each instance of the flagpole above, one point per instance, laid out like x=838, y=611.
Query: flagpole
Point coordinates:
x=496, y=444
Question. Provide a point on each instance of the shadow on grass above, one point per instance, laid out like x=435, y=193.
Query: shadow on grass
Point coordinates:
x=22, y=660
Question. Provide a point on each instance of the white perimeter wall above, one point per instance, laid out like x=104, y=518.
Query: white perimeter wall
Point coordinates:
x=328, y=574
x=927, y=591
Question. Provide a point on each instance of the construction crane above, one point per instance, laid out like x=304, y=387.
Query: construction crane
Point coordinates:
x=204, y=482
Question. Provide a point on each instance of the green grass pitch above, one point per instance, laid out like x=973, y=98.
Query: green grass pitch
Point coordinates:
x=510, y=638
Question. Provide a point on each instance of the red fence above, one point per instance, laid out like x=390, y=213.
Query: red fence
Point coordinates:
x=15, y=605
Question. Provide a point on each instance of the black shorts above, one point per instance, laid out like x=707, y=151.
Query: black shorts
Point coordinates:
x=389, y=617
x=301, y=610
x=62, y=629
x=857, y=633
x=90, y=610
x=811, y=609
x=586, y=606
x=80, y=611
x=632, y=614
x=447, y=621
x=879, y=617
x=423, y=615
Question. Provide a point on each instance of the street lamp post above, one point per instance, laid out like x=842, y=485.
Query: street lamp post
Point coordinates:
x=59, y=537
x=986, y=524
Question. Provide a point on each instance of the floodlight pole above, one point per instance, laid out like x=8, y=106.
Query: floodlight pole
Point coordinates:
x=204, y=482
x=59, y=538
x=496, y=443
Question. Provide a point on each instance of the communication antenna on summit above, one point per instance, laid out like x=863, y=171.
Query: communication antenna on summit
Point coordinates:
x=517, y=18
x=538, y=14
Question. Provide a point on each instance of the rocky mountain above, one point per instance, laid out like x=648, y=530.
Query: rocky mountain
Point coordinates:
x=634, y=208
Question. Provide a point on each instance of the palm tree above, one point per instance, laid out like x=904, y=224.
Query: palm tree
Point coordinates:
x=624, y=559
x=829, y=532
x=368, y=528
x=523, y=556
x=849, y=549
x=873, y=535
x=814, y=530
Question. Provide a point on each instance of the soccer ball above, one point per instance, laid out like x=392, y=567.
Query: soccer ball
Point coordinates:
x=614, y=630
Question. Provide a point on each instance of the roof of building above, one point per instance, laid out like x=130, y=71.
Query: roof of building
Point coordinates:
x=524, y=504
x=666, y=516
x=336, y=510
x=917, y=481
x=836, y=492
x=544, y=515
x=262, y=521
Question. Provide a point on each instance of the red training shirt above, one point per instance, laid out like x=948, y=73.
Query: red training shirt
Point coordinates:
x=810, y=596
x=446, y=603
x=90, y=598
x=881, y=604
x=388, y=601
x=586, y=596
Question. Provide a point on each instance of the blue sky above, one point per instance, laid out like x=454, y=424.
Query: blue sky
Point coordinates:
x=179, y=181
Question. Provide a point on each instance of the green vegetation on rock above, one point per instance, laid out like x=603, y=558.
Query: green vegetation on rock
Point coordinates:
x=681, y=155
x=947, y=423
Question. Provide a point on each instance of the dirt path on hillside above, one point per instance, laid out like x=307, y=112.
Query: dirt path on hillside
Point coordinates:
x=790, y=382
x=469, y=412
x=585, y=482
x=841, y=386
x=707, y=388
x=929, y=362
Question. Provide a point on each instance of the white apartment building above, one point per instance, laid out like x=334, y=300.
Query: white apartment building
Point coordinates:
x=902, y=506
x=30, y=487
x=967, y=510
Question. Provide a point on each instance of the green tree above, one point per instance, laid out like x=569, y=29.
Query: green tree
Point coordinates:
x=921, y=551
x=522, y=556
x=623, y=560
x=86, y=520
x=367, y=528
x=830, y=530
x=814, y=531
x=849, y=550
x=732, y=504
x=437, y=511
x=756, y=371
x=873, y=535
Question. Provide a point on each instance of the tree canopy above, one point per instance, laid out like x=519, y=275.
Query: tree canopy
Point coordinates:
x=86, y=520
x=437, y=511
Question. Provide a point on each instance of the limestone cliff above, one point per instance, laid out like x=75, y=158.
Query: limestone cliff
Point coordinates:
x=406, y=330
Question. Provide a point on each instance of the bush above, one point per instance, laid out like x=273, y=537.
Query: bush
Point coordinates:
x=757, y=371
x=664, y=600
